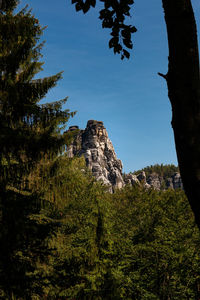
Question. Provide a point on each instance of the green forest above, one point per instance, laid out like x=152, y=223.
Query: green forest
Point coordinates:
x=165, y=171
x=63, y=236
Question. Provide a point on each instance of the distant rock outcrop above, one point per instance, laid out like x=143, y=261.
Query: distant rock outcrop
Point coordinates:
x=155, y=181
x=176, y=181
x=131, y=179
x=93, y=143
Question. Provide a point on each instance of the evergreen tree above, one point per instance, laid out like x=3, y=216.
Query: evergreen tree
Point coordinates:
x=165, y=171
x=28, y=132
x=79, y=264
x=157, y=245
x=81, y=241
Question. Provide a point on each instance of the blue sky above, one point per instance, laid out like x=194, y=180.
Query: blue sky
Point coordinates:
x=128, y=96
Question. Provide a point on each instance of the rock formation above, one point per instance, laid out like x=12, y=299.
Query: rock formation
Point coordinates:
x=154, y=181
x=176, y=181
x=93, y=143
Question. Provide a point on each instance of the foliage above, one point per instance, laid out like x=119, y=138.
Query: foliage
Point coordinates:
x=113, y=16
x=165, y=171
x=8, y=5
x=79, y=243
x=28, y=131
x=159, y=245
x=133, y=244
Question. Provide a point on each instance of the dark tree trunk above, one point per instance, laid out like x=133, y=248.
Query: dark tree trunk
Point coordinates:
x=184, y=93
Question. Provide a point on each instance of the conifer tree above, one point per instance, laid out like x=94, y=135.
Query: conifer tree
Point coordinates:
x=28, y=132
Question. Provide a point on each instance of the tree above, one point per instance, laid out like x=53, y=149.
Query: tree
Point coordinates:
x=182, y=78
x=78, y=262
x=157, y=241
x=29, y=132
x=184, y=93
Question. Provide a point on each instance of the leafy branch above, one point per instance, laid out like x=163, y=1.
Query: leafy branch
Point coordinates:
x=113, y=16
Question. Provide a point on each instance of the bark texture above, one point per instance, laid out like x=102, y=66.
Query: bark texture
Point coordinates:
x=184, y=93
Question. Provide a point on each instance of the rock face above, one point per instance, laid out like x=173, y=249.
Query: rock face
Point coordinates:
x=154, y=181
x=131, y=179
x=177, y=182
x=93, y=143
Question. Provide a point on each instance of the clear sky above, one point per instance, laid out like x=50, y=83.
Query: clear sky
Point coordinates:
x=128, y=96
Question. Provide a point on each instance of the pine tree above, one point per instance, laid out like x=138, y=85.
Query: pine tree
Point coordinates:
x=29, y=132
x=79, y=264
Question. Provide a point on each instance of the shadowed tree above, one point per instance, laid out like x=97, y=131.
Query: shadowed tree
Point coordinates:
x=182, y=78
x=28, y=132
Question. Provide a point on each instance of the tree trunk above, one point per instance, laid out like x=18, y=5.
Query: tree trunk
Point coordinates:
x=183, y=82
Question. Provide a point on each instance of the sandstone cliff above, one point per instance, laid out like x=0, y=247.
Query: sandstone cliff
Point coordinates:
x=93, y=143
x=154, y=180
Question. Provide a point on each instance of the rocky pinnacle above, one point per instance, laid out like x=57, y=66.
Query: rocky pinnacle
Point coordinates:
x=93, y=143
